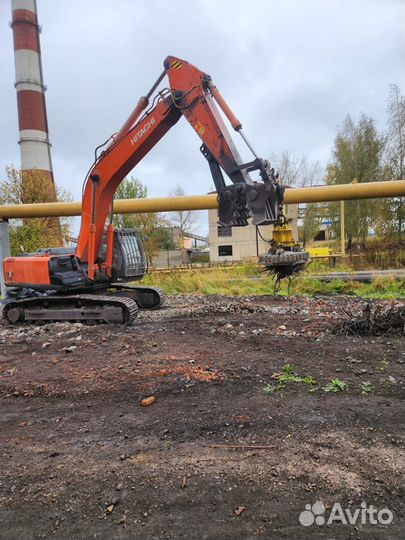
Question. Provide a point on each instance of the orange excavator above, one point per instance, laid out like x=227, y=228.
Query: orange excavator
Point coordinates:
x=90, y=283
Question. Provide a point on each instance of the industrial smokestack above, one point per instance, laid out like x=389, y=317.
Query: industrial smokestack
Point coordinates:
x=34, y=142
x=33, y=124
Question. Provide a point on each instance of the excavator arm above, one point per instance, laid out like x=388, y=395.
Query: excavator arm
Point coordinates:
x=109, y=171
x=191, y=94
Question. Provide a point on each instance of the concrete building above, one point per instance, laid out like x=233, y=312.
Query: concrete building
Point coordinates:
x=181, y=253
x=238, y=243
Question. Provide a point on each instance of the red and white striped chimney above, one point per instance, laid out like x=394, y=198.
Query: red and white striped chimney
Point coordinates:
x=33, y=125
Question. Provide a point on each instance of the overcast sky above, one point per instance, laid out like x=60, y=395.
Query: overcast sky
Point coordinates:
x=290, y=69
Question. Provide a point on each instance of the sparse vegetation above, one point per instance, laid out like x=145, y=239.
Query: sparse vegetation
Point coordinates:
x=286, y=376
x=353, y=360
x=335, y=385
x=366, y=387
x=383, y=365
x=288, y=369
x=270, y=388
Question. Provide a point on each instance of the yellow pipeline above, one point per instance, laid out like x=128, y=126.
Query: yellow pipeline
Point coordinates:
x=346, y=192
x=369, y=190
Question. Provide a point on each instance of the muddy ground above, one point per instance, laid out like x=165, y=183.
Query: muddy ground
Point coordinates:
x=81, y=458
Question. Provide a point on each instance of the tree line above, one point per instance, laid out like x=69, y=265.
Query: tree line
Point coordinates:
x=362, y=153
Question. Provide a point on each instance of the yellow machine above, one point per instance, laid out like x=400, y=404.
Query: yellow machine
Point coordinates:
x=283, y=235
x=285, y=257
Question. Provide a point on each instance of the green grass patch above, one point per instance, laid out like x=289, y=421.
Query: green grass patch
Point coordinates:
x=321, y=266
x=380, y=288
x=233, y=280
x=249, y=279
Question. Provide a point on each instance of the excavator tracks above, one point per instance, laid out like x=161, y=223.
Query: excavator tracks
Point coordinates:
x=119, y=306
x=145, y=297
x=80, y=307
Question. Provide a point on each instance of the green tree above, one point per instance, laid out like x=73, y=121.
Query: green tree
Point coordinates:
x=311, y=222
x=164, y=238
x=357, y=156
x=32, y=234
x=150, y=225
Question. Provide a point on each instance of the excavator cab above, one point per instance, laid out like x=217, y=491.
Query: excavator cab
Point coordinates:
x=129, y=259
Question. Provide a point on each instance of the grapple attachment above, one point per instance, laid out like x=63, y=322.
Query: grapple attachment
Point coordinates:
x=261, y=202
x=285, y=257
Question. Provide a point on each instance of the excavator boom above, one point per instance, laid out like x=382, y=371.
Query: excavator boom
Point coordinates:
x=191, y=94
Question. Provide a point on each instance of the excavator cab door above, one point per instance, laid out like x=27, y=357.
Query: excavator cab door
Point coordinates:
x=129, y=260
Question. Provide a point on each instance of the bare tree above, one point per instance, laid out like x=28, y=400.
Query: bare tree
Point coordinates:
x=395, y=144
x=392, y=211
x=297, y=171
x=185, y=220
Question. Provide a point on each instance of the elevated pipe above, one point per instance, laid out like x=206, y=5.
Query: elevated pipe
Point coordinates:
x=346, y=192
x=369, y=190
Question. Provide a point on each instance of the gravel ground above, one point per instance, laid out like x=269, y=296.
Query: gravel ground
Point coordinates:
x=242, y=434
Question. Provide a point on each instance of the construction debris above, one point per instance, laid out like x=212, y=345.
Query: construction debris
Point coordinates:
x=374, y=320
x=148, y=401
x=239, y=510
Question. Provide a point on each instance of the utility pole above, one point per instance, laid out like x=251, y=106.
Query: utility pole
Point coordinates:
x=342, y=228
x=4, y=252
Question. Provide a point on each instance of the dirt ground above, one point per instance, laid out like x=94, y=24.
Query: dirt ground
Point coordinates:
x=81, y=458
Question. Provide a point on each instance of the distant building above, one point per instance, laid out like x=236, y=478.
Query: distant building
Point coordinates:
x=185, y=246
x=172, y=257
x=238, y=243
x=324, y=232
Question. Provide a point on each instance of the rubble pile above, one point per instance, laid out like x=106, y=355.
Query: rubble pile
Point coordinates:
x=374, y=320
